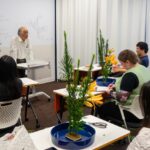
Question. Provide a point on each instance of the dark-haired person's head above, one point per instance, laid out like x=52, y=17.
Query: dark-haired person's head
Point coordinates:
x=8, y=69
x=145, y=101
x=128, y=58
x=141, y=48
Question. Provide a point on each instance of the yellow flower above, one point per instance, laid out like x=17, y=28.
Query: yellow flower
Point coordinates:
x=88, y=104
x=94, y=100
x=92, y=86
x=111, y=59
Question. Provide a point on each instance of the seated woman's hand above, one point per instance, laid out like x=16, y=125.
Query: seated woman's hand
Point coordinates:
x=108, y=91
x=110, y=88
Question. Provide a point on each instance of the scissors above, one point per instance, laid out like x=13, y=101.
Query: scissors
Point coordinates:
x=99, y=124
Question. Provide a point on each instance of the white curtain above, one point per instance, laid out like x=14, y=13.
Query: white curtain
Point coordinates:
x=147, y=30
x=79, y=19
x=122, y=22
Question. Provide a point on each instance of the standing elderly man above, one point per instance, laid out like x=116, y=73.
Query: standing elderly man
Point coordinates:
x=20, y=49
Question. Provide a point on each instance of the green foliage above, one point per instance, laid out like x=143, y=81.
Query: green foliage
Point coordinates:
x=102, y=53
x=102, y=48
x=106, y=70
x=76, y=93
x=66, y=64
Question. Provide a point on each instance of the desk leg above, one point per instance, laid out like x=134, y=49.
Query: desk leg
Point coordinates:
x=26, y=108
x=26, y=103
x=62, y=109
x=96, y=113
x=36, y=118
x=92, y=111
x=59, y=103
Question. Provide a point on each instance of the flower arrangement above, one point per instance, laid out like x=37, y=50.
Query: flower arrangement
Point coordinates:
x=76, y=94
x=106, y=56
x=93, y=100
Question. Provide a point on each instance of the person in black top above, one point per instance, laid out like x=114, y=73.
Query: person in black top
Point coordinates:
x=142, y=50
x=128, y=83
x=10, y=85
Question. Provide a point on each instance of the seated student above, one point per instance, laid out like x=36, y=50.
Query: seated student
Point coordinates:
x=142, y=49
x=126, y=87
x=141, y=141
x=10, y=85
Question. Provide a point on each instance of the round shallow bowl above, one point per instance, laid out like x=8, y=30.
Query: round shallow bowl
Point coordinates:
x=101, y=82
x=58, y=134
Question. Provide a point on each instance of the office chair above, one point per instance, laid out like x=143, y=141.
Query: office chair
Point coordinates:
x=134, y=109
x=10, y=113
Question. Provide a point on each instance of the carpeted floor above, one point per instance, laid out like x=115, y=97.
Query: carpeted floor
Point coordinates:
x=46, y=114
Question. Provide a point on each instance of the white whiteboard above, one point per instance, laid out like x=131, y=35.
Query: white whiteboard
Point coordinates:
x=36, y=15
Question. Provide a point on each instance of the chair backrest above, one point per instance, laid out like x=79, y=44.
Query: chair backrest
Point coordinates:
x=10, y=112
x=135, y=108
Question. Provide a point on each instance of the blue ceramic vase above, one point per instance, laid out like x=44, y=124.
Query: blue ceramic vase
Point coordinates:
x=58, y=134
x=100, y=81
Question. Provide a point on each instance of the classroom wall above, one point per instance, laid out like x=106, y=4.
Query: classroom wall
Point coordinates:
x=38, y=17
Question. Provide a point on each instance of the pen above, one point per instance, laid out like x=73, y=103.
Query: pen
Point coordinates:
x=113, y=82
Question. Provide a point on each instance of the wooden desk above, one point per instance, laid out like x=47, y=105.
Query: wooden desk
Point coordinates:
x=83, y=70
x=32, y=65
x=104, y=137
x=28, y=82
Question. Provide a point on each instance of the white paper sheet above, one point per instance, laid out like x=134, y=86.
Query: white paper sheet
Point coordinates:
x=20, y=140
x=101, y=88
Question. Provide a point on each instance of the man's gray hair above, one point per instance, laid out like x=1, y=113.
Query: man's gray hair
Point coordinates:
x=20, y=29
